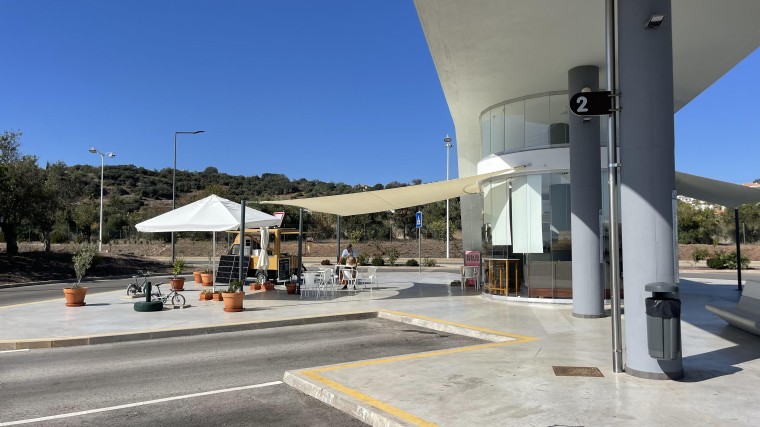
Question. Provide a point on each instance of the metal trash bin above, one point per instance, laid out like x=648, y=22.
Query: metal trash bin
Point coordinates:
x=663, y=321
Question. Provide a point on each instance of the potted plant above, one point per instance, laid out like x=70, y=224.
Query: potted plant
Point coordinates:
x=197, y=276
x=205, y=295
x=178, y=283
x=207, y=278
x=217, y=296
x=82, y=261
x=267, y=286
x=290, y=287
x=233, y=296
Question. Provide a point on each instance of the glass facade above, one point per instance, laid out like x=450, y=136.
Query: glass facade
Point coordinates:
x=526, y=218
x=526, y=123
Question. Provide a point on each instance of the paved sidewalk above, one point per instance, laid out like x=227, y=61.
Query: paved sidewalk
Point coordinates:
x=509, y=380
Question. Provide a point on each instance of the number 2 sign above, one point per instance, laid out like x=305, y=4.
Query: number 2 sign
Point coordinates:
x=591, y=103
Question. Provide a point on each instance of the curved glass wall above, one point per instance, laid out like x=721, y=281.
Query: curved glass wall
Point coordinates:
x=526, y=236
x=532, y=122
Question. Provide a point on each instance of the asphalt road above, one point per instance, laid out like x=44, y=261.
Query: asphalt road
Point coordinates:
x=50, y=382
x=34, y=293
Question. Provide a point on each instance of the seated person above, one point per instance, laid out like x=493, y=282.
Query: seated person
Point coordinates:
x=350, y=262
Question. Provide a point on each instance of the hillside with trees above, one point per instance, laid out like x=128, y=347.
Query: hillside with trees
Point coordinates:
x=57, y=203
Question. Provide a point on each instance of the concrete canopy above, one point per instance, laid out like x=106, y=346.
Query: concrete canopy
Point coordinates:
x=490, y=51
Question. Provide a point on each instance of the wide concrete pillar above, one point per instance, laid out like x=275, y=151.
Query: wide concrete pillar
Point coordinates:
x=585, y=200
x=647, y=171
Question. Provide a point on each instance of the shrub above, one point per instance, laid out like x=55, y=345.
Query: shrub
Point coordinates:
x=235, y=286
x=362, y=259
x=325, y=262
x=378, y=261
x=178, y=265
x=57, y=236
x=411, y=262
x=699, y=254
x=429, y=262
x=392, y=256
x=726, y=260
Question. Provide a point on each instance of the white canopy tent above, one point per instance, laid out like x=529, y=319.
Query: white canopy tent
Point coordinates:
x=212, y=213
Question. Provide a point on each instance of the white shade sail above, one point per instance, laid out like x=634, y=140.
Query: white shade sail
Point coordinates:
x=714, y=191
x=212, y=213
x=392, y=198
x=706, y=189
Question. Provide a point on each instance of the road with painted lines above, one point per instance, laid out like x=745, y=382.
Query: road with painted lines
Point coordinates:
x=220, y=379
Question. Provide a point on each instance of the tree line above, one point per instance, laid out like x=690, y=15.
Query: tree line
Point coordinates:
x=58, y=203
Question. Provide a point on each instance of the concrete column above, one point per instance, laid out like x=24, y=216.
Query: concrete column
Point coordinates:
x=647, y=177
x=585, y=200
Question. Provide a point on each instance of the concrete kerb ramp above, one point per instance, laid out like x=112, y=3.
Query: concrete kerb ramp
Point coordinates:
x=316, y=382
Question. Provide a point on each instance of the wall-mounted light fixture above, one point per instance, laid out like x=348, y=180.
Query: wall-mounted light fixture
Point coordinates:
x=654, y=21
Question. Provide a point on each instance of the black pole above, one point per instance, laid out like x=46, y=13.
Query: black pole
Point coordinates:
x=738, y=250
x=337, y=228
x=242, y=243
x=300, y=251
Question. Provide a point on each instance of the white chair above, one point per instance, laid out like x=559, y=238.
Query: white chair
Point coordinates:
x=309, y=283
x=370, y=276
x=326, y=280
x=470, y=272
x=348, y=276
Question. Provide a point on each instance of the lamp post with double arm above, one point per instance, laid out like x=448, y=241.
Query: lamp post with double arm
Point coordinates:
x=102, y=167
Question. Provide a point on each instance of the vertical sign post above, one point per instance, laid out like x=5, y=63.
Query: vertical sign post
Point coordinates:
x=419, y=239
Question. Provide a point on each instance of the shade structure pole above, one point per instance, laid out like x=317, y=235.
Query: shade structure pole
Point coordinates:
x=613, y=165
x=300, y=248
x=738, y=251
x=213, y=262
x=337, y=231
x=242, y=243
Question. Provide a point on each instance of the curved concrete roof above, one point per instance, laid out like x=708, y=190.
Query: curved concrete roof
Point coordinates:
x=489, y=51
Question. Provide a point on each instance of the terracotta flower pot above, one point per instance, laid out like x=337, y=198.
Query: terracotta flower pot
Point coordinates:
x=177, y=283
x=217, y=297
x=207, y=279
x=205, y=297
x=267, y=286
x=75, y=296
x=197, y=277
x=290, y=287
x=233, y=301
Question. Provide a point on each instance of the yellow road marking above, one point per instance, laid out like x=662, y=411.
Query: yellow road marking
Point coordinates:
x=315, y=374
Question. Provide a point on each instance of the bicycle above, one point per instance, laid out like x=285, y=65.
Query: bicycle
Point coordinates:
x=173, y=296
x=137, y=287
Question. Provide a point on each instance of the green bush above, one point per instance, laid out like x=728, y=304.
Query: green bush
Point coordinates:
x=429, y=262
x=57, y=236
x=362, y=259
x=726, y=260
x=411, y=262
x=392, y=256
x=378, y=261
x=699, y=254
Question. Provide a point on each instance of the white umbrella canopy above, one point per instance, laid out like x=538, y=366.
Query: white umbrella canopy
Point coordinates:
x=212, y=213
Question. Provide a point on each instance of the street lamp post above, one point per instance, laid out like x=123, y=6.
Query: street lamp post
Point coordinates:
x=447, y=140
x=102, y=167
x=174, y=177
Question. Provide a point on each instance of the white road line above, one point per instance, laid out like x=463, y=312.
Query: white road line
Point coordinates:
x=14, y=351
x=132, y=405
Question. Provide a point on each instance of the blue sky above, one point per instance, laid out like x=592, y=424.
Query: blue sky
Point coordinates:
x=340, y=91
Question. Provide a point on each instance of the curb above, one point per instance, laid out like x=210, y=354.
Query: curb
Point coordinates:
x=344, y=403
x=53, y=282
x=205, y=330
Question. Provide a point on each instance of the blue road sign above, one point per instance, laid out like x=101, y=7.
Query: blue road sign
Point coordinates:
x=419, y=219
